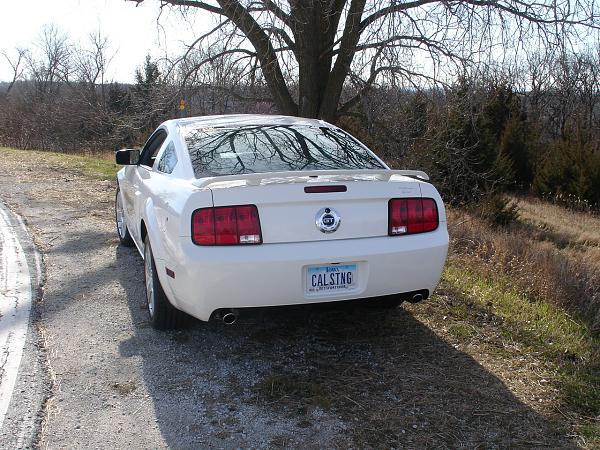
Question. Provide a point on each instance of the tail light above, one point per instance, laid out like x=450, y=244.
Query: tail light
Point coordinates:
x=411, y=216
x=226, y=225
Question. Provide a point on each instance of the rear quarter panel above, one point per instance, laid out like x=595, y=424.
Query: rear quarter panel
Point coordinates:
x=429, y=191
x=168, y=211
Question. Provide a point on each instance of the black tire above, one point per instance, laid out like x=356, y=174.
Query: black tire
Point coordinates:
x=163, y=315
x=121, y=224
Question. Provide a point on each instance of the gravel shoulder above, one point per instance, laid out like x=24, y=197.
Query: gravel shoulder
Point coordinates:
x=299, y=377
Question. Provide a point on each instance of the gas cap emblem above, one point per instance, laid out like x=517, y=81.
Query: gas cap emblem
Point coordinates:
x=327, y=220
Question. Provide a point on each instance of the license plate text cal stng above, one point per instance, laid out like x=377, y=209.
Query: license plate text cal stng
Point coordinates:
x=331, y=278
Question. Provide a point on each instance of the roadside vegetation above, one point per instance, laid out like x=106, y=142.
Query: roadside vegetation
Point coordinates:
x=532, y=290
x=99, y=167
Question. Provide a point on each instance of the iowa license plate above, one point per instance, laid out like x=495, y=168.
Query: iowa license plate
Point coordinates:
x=331, y=278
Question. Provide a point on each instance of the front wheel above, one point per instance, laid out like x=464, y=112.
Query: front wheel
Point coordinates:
x=122, y=230
x=163, y=315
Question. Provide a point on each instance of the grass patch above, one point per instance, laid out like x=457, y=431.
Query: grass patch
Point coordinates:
x=95, y=167
x=562, y=341
x=590, y=433
x=461, y=330
x=278, y=386
x=571, y=227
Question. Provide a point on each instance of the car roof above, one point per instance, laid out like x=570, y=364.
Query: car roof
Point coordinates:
x=239, y=120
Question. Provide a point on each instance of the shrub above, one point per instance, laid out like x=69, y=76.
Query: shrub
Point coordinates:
x=464, y=154
x=516, y=143
x=498, y=210
x=569, y=173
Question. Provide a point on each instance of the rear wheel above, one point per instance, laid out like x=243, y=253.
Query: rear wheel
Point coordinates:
x=163, y=315
x=122, y=230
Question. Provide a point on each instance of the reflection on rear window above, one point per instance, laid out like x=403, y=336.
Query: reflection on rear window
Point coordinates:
x=273, y=148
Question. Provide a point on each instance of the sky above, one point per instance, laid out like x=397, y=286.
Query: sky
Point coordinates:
x=133, y=31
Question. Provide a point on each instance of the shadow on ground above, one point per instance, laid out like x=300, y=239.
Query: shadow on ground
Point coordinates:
x=314, y=378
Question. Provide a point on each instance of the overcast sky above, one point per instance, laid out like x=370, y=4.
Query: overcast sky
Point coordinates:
x=132, y=30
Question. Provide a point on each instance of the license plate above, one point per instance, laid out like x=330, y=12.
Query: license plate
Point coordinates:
x=331, y=278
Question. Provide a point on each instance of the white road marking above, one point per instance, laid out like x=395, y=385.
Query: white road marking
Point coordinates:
x=15, y=305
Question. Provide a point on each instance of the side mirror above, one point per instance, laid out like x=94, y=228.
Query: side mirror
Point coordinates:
x=127, y=157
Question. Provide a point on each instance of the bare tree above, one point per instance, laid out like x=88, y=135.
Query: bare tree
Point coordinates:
x=330, y=45
x=50, y=63
x=91, y=64
x=16, y=64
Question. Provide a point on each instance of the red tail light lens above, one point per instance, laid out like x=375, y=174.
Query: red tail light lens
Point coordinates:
x=203, y=227
x=430, y=215
x=411, y=216
x=226, y=225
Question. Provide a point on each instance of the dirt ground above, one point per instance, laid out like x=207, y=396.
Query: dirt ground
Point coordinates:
x=293, y=378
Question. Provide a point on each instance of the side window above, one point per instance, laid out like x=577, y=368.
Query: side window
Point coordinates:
x=151, y=148
x=168, y=160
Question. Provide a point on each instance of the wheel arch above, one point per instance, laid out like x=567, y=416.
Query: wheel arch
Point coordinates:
x=149, y=229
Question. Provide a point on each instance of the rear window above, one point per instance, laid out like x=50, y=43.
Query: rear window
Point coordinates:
x=273, y=148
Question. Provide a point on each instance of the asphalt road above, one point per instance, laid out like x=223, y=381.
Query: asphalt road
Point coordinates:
x=299, y=378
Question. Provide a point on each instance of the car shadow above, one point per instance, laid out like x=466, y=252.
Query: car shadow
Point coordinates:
x=321, y=378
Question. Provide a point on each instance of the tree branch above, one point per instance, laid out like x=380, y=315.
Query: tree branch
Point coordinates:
x=341, y=67
x=278, y=12
x=383, y=12
x=264, y=51
x=16, y=66
x=283, y=34
x=191, y=3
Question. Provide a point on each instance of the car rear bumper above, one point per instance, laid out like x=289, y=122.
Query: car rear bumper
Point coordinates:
x=211, y=278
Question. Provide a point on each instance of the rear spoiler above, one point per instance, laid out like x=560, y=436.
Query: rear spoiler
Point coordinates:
x=300, y=176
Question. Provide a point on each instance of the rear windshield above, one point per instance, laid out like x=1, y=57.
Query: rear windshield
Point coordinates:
x=273, y=148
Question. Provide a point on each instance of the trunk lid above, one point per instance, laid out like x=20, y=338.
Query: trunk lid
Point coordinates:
x=289, y=214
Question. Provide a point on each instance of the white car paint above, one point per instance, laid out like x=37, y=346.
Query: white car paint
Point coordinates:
x=208, y=278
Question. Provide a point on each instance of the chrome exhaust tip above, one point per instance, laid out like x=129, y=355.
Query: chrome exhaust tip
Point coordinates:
x=229, y=318
x=416, y=298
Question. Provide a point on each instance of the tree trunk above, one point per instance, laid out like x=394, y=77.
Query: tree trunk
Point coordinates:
x=335, y=82
x=316, y=22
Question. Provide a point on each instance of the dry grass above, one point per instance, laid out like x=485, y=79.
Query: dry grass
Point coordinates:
x=98, y=166
x=574, y=229
x=540, y=278
x=557, y=273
